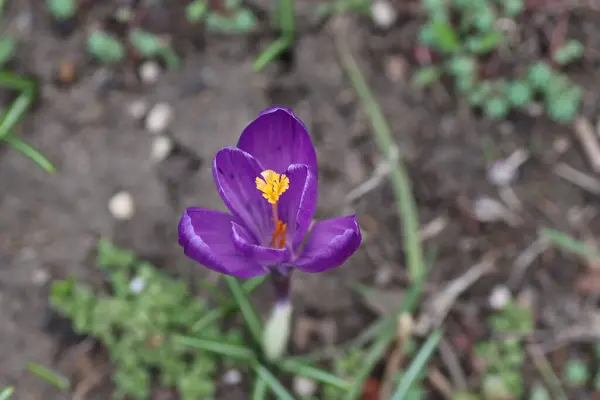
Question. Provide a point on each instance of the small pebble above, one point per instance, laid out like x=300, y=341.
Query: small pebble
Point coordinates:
x=383, y=275
x=304, y=387
x=535, y=109
x=40, y=277
x=486, y=209
x=149, y=72
x=159, y=118
x=138, y=108
x=124, y=14
x=137, y=284
x=66, y=72
x=232, y=377
x=121, y=206
x=161, y=148
x=383, y=13
x=396, y=68
x=503, y=172
x=561, y=145
x=499, y=297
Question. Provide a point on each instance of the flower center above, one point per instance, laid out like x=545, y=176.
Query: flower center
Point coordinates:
x=273, y=185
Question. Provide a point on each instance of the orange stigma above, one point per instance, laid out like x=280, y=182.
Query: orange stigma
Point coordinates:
x=273, y=185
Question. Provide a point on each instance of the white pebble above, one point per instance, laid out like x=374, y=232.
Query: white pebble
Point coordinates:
x=504, y=172
x=499, y=297
x=40, y=276
x=383, y=13
x=561, y=145
x=535, y=109
x=121, y=206
x=161, y=148
x=159, y=118
x=232, y=377
x=138, y=108
x=384, y=275
x=304, y=387
x=487, y=209
x=149, y=72
x=137, y=284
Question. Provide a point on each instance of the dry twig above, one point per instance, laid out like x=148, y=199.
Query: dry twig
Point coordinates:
x=436, y=308
x=586, y=135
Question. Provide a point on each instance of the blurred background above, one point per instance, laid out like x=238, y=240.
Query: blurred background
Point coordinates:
x=463, y=133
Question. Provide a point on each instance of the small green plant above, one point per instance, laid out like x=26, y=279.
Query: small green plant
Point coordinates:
x=151, y=325
x=345, y=366
x=505, y=357
x=138, y=322
x=105, y=47
x=150, y=45
x=284, y=21
x=62, y=9
x=109, y=49
x=576, y=372
x=14, y=113
x=238, y=19
x=463, y=42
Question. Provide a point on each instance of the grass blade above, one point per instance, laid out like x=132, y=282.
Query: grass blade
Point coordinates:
x=215, y=314
x=15, y=113
x=13, y=81
x=260, y=389
x=217, y=347
x=298, y=368
x=50, y=376
x=570, y=244
x=6, y=393
x=405, y=201
x=276, y=387
x=417, y=365
x=246, y=308
x=30, y=152
x=271, y=53
x=286, y=18
x=385, y=334
x=375, y=330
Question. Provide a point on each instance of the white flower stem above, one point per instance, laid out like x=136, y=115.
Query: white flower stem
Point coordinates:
x=277, y=330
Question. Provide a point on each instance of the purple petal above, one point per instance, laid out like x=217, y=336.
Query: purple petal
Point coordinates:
x=298, y=204
x=235, y=173
x=205, y=236
x=277, y=139
x=330, y=244
x=245, y=244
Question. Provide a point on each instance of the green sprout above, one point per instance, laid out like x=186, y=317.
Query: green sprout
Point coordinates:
x=576, y=372
x=505, y=357
x=105, y=47
x=285, y=22
x=571, y=51
x=239, y=19
x=138, y=323
x=62, y=9
x=150, y=45
x=461, y=31
x=195, y=10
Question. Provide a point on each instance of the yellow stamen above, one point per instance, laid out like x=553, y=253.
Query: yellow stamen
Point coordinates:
x=272, y=185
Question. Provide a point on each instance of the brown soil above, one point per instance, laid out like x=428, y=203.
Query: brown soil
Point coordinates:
x=50, y=224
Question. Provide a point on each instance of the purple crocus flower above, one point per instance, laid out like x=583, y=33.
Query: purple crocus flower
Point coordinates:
x=269, y=184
